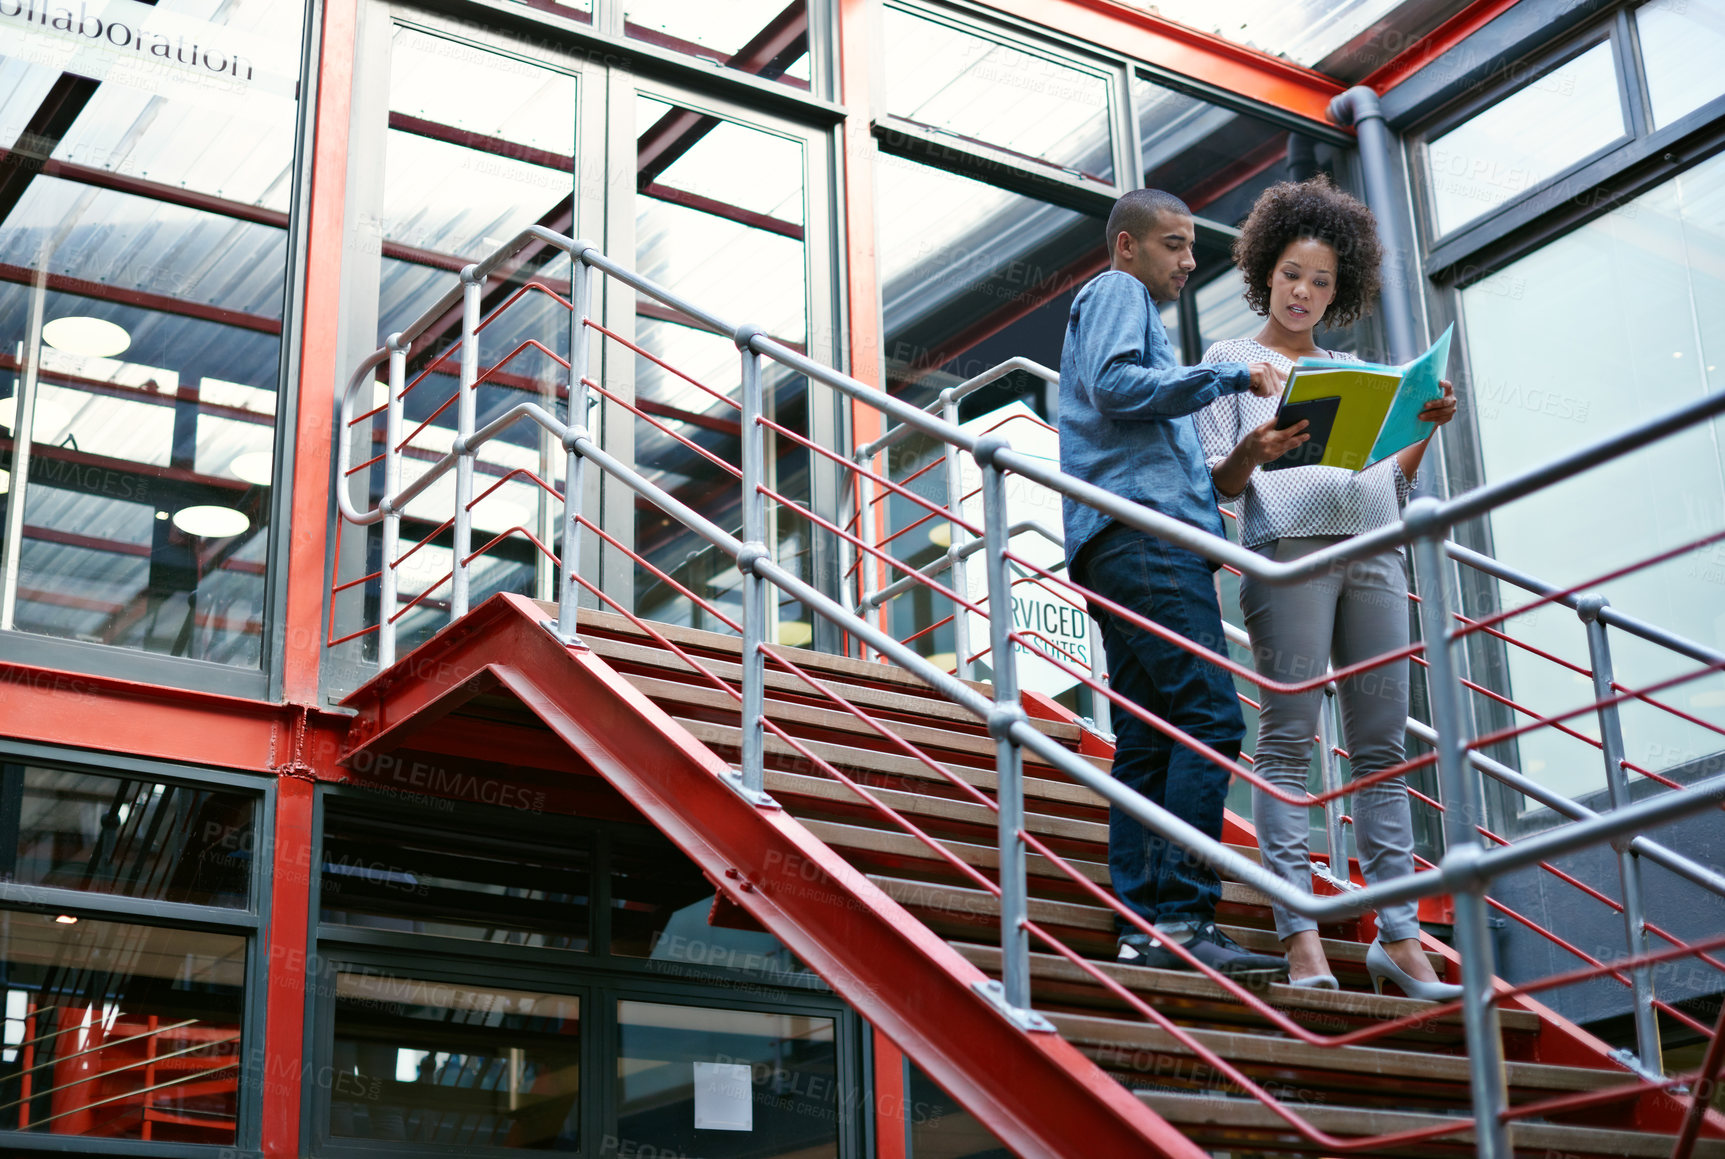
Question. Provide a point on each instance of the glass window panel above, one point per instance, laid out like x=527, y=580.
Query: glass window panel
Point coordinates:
x=1215, y=159
x=726, y=1084
x=991, y=92
x=1551, y=372
x=392, y=876
x=764, y=38
x=453, y=1064
x=1305, y=31
x=1676, y=35
x=940, y=1128
x=1493, y=158
x=127, y=1031
x=124, y=835
x=660, y=905
x=718, y=232
x=139, y=529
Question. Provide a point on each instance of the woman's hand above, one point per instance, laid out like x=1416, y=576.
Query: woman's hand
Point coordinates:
x=1262, y=444
x=1440, y=410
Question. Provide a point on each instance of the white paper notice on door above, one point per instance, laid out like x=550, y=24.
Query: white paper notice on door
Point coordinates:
x=723, y=1097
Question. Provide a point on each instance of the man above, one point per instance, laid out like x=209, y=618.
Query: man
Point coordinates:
x=1126, y=425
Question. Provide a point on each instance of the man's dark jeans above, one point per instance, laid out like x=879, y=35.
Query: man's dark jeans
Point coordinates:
x=1172, y=587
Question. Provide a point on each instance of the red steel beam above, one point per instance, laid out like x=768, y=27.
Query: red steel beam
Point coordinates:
x=143, y=299
x=1037, y=1092
x=1258, y=76
x=1437, y=42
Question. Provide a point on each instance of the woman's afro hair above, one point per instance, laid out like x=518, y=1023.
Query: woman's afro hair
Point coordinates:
x=1290, y=211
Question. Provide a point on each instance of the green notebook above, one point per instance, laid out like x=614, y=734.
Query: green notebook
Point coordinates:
x=1359, y=413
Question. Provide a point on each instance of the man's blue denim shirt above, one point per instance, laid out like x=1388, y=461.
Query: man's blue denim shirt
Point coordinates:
x=1126, y=407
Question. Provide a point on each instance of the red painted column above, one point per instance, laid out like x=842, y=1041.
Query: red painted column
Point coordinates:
x=287, y=955
x=891, y=1101
x=319, y=374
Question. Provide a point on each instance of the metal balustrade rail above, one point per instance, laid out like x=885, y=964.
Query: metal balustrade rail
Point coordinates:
x=1466, y=867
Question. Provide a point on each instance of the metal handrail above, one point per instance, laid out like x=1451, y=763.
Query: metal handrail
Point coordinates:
x=1466, y=867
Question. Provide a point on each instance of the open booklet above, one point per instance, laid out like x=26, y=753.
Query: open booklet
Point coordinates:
x=1359, y=413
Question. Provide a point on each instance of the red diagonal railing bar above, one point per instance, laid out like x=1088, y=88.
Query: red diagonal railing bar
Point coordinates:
x=663, y=429
x=940, y=623
x=1499, y=698
x=907, y=528
x=859, y=515
x=661, y=363
x=513, y=473
x=1504, y=734
x=435, y=532
x=1657, y=931
x=1702, y=1091
x=1025, y=637
x=497, y=367
x=1677, y=712
x=501, y=536
x=1627, y=569
x=1633, y=962
x=891, y=737
x=663, y=640
x=1240, y=1079
x=331, y=643
x=358, y=467
x=342, y=587
x=863, y=472
x=1227, y=664
x=890, y=560
x=407, y=607
x=1578, y=669
x=429, y=419
x=525, y=289
x=663, y=577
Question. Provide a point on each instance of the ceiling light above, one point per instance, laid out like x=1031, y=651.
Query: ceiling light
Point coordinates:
x=5, y=482
x=89, y=337
x=940, y=534
x=254, y=467
x=211, y=521
x=795, y=633
x=66, y=920
x=51, y=419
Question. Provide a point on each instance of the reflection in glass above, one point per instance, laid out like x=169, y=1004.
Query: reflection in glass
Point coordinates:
x=479, y=145
x=660, y=906
x=718, y=232
x=120, y=1031
x=1305, y=31
x=1674, y=36
x=404, y=876
x=455, y=1065
x=1215, y=159
x=726, y=1084
x=1560, y=357
x=124, y=835
x=764, y=38
x=1493, y=158
x=940, y=1128
x=987, y=91
x=140, y=330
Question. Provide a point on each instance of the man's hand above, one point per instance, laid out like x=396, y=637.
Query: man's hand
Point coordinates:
x=1267, y=381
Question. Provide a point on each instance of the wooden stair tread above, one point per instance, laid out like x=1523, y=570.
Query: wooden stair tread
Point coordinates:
x=1229, y=1115
x=782, y=712
x=931, y=706
x=905, y=845
x=1246, y=1047
x=980, y=903
x=722, y=643
x=848, y=757
x=1143, y=979
x=792, y=786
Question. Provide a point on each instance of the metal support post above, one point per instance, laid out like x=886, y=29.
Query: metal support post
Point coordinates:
x=575, y=465
x=957, y=538
x=1461, y=802
x=471, y=287
x=1628, y=862
x=754, y=549
x=1359, y=107
x=389, y=581
x=1008, y=759
x=1330, y=779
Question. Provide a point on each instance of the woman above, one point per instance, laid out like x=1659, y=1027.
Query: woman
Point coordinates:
x=1309, y=253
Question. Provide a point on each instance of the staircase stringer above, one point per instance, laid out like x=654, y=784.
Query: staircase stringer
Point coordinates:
x=1038, y=1093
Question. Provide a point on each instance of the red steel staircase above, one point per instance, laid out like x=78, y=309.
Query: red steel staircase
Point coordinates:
x=873, y=863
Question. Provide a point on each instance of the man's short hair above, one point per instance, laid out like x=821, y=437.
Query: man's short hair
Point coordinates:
x=1136, y=213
